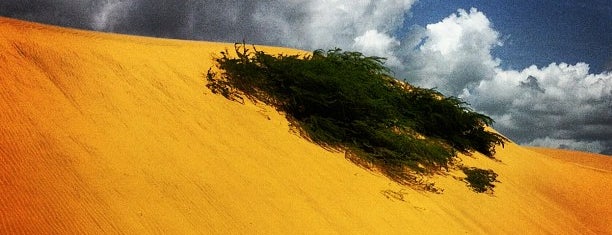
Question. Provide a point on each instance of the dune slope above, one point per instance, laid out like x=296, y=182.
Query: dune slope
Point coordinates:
x=103, y=133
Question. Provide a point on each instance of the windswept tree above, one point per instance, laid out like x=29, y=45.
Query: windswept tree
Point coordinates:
x=351, y=102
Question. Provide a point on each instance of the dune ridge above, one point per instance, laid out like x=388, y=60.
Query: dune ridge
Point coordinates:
x=103, y=133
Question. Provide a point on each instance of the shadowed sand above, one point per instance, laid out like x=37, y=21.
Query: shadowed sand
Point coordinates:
x=103, y=133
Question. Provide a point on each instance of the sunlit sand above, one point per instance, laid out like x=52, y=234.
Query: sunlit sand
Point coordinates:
x=103, y=133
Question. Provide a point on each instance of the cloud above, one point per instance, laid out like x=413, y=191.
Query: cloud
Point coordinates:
x=105, y=18
x=594, y=146
x=454, y=53
x=378, y=44
x=304, y=24
x=532, y=83
x=339, y=22
x=296, y=23
x=67, y=13
x=555, y=106
x=559, y=105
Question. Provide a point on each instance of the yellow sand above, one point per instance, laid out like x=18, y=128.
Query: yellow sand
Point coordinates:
x=103, y=133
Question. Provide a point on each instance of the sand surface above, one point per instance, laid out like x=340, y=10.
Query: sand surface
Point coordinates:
x=106, y=134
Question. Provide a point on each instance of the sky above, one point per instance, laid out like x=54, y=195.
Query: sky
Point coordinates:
x=540, y=69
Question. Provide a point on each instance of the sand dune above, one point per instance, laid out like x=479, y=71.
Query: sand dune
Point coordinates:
x=103, y=133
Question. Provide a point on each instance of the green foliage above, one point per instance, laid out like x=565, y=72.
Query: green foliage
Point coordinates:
x=345, y=100
x=480, y=180
x=451, y=119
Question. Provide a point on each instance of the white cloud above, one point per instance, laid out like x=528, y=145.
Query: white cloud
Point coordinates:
x=455, y=53
x=363, y=25
x=559, y=105
x=334, y=23
x=379, y=44
x=568, y=105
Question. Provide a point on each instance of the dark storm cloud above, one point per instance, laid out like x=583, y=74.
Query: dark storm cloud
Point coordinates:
x=205, y=20
x=304, y=24
x=255, y=21
x=66, y=13
x=152, y=18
